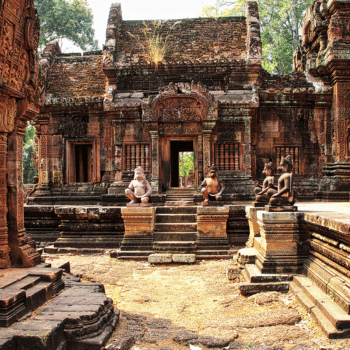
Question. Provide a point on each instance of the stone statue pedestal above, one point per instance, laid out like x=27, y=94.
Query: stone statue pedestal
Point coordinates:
x=213, y=204
x=259, y=204
x=211, y=232
x=138, y=238
x=138, y=205
x=280, y=250
x=280, y=208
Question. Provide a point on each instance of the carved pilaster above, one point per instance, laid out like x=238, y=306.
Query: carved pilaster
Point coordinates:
x=44, y=184
x=22, y=254
x=155, y=160
x=207, y=129
x=4, y=247
x=248, y=159
x=341, y=113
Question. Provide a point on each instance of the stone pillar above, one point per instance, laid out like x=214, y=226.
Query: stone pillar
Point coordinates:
x=280, y=249
x=207, y=129
x=138, y=237
x=4, y=246
x=44, y=185
x=247, y=148
x=155, y=160
x=211, y=232
x=200, y=159
x=22, y=254
x=254, y=229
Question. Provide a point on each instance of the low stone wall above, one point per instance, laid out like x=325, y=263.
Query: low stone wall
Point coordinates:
x=41, y=223
x=90, y=227
x=329, y=261
x=102, y=227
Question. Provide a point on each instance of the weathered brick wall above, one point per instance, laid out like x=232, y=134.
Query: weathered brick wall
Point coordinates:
x=74, y=75
x=189, y=39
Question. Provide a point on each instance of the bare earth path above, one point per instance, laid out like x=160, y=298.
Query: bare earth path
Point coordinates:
x=196, y=307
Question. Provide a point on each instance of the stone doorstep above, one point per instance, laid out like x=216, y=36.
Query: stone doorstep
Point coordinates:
x=281, y=209
x=329, y=316
x=253, y=275
x=256, y=282
x=172, y=258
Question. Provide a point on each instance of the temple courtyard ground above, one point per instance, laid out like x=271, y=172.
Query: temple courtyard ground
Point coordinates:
x=196, y=307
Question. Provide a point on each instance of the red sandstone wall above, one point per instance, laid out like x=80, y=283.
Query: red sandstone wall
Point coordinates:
x=76, y=76
x=190, y=39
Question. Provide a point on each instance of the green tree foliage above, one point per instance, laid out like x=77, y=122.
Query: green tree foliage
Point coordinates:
x=70, y=19
x=280, y=24
x=186, y=163
x=29, y=170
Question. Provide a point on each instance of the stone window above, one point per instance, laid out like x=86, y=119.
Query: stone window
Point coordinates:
x=227, y=156
x=285, y=151
x=137, y=155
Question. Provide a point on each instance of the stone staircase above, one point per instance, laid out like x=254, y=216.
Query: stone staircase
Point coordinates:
x=24, y=290
x=175, y=230
x=180, y=197
x=330, y=312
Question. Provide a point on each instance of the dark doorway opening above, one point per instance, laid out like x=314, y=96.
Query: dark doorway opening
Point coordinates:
x=83, y=163
x=175, y=148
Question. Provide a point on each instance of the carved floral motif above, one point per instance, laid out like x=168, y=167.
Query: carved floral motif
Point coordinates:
x=8, y=111
x=181, y=102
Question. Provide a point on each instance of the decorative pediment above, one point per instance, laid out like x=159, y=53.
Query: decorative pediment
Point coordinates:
x=180, y=103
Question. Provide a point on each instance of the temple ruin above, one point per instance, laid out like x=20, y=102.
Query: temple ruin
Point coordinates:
x=100, y=115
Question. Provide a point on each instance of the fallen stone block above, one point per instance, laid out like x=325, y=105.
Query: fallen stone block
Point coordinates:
x=184, y=258
x=160, y=258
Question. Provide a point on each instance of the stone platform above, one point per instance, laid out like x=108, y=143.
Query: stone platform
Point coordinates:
x=78, y=318
x=24, y=290
x=306, y=252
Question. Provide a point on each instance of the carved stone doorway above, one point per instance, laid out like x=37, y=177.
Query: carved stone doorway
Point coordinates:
x=175, y=148
x=80, y=164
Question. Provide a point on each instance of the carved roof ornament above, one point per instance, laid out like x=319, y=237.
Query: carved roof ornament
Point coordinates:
x=179, y=102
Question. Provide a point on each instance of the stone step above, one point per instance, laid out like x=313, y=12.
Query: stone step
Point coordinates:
x=334, y=321
x=133, y=255
x=213, y=254
x=174, y=247
x=38, y=294
x=176, y=210
x=252, y=274
x=181, y=190
x=25, y=283
x=179, y=204
x=247, y=288
x=175, y=227
x=175, y=218
x=174, y=236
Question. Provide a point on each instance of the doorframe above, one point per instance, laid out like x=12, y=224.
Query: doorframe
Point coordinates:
x=194, y=139
x=70, y=159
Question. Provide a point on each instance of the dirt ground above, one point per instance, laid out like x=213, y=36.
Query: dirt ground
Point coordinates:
x=196, y=307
